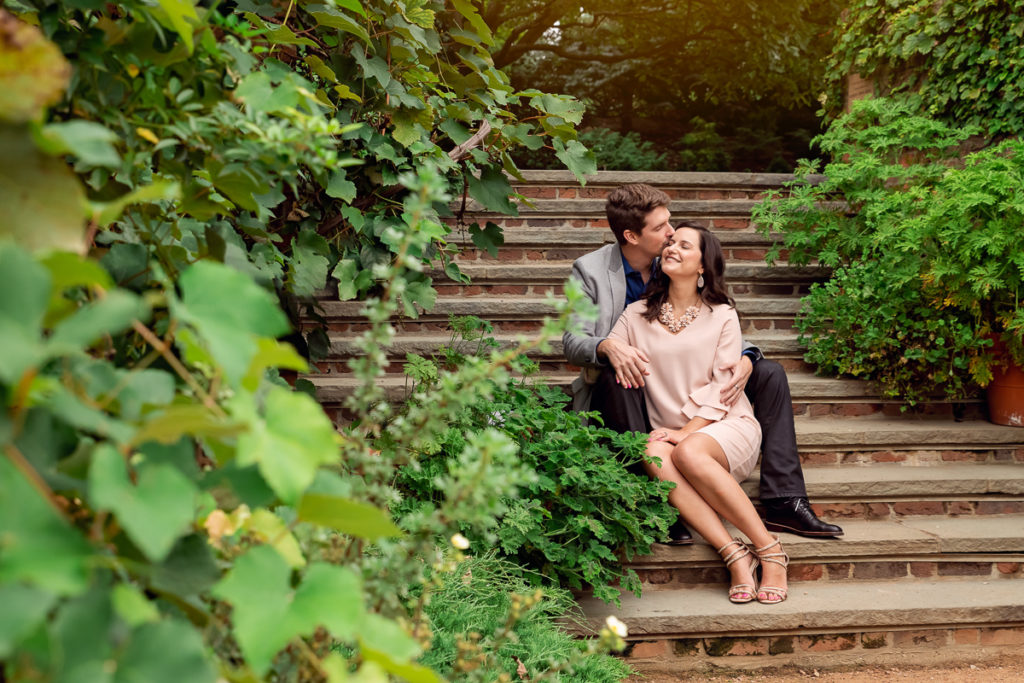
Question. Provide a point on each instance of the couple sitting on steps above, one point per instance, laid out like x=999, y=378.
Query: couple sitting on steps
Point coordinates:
x=665, y=356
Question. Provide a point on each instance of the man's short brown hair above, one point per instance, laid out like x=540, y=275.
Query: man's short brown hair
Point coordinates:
x=628, y=205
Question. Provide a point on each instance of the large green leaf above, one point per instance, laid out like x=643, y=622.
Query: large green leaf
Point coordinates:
x=577, y=158
x=326, y=15
x=272, y=354
x=33, y=72
x=493, y=190
x=36, y=545
x=167, y=651
x=189, y=419
x=112, y=314
x=180, y=16
x=87, y=140
x=24, y=296
x=155, y=512
x=228, y=310
x=43, y=202
x=291, y=441
x=105, y=213
x=384, y=642
x=307, y=268
x=24, y=608
x=348, y=516
x=266, y=613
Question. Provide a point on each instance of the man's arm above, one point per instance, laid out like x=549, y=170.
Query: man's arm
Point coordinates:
x=741, y=370
x=588, y=349
x=580, y=347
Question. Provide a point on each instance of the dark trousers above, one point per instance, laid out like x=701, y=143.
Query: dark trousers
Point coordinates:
x=768, y=390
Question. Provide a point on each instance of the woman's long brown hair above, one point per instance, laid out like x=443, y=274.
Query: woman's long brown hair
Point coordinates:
x=713, y=291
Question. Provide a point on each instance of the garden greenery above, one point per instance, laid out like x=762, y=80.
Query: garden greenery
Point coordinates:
x=587, y=500
x=965, y=59
x=928, y=265
x=170, y=509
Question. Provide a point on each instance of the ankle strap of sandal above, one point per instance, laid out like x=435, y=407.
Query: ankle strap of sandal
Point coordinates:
x=741, y=551
x=765, y=556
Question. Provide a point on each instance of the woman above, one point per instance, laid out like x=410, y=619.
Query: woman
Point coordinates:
x=687, y=325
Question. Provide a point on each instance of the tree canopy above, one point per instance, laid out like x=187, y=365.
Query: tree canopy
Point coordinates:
x=650, y=57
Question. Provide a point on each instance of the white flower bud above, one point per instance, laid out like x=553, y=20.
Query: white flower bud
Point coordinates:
x=616, y=627
x=460, y=541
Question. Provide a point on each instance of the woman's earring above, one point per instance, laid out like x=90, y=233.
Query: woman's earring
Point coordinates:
x=700, y=281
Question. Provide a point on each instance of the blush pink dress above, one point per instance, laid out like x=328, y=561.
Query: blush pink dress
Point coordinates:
x=685, y=380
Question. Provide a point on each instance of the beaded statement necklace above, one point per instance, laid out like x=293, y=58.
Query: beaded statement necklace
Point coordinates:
x=674, y=324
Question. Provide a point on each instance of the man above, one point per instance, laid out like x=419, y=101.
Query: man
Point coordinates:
x=615, y=276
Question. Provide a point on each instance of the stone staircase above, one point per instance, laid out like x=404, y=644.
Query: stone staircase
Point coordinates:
x=932, y=562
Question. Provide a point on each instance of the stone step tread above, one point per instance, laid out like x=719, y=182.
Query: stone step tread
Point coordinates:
x=558, y=271
x=578, y=208
x=907, y=538
x=566, y=236
x=705, y=610
x=710, y=179
x=802, y=385
x=886, y=480
x=518, y=306
x=927, y=431
x=426, y=341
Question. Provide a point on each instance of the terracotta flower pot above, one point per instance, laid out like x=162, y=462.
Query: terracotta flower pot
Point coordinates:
x=1006, y=397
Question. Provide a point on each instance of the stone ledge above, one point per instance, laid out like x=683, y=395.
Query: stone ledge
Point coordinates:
x=659, y=178
x=558, y=271
x=706, y=612
x=905, y=539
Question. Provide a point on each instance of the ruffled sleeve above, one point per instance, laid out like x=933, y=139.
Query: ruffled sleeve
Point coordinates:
x=706, y=400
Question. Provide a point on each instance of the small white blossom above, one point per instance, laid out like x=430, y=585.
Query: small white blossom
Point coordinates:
x=460, y=541
x=616, y=627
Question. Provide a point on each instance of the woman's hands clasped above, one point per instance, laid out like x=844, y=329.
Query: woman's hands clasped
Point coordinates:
x=672, y=436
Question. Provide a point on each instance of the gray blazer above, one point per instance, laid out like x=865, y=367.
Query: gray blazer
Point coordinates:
x=602, y=278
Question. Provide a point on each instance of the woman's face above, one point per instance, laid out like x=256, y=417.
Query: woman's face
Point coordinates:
x=681, y=258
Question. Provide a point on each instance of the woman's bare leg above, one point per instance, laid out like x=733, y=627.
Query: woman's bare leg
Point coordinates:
x=700, y=460
x=694, y=509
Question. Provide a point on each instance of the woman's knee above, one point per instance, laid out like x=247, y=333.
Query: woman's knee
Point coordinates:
x=688, y=455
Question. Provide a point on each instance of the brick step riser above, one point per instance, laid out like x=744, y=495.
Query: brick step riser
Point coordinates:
x=536, y=254
x=483, y=287
x=813, y=406
x=438, y=322
x=568, y=190
x=879, y=510
x=737, y=221
x=931, y=645
x=904, y=569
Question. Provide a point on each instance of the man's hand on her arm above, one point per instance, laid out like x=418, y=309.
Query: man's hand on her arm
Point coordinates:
x=741, y=370
x=630, y=363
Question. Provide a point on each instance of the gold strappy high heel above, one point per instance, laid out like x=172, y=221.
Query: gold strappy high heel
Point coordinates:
x=741, y=592
x=773, y=594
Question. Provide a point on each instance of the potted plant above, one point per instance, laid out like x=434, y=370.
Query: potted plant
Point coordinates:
x=975, y=263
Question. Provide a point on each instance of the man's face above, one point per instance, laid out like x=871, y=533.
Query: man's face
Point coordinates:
x=655, y=234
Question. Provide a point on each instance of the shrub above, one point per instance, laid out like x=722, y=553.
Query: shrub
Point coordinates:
x=615, y=151
x=702, y=149
x=964, y=59
x=470, y=617
x=583, y=508
x=925, y=248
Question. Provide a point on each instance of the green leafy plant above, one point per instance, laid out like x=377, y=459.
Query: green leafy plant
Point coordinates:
x=924, y=250
x=702, y=148
x=585, y=504
x=470, y=616
x=170, y=509
x=614, y=151
x=964, y=59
